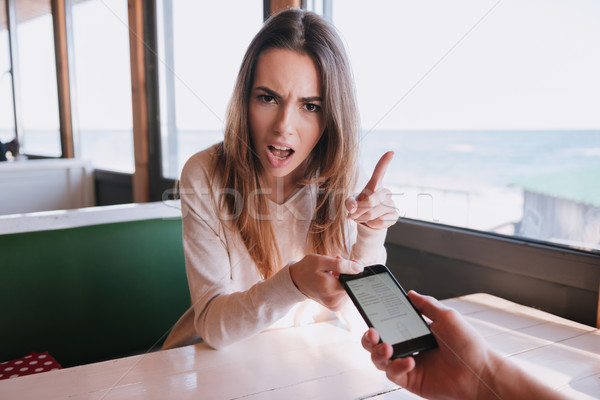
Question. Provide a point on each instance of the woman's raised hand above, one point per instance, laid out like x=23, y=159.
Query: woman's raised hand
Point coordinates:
x=374, y=206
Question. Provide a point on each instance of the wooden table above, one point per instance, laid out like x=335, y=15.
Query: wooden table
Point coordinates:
x=322, y=361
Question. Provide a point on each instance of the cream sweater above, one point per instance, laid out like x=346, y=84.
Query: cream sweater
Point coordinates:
x=230, y=300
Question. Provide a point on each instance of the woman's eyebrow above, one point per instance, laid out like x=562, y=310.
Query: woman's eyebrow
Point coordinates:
x=268, y=91
x=310, y=99
x=273, y=93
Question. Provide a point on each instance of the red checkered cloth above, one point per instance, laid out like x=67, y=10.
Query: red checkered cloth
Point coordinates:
x=32, y=363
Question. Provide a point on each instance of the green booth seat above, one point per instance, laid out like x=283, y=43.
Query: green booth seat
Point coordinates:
x=91, y=292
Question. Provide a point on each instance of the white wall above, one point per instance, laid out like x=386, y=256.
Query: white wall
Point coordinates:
x=42, y=185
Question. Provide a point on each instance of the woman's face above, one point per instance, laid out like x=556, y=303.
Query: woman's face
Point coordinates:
x=286, y=120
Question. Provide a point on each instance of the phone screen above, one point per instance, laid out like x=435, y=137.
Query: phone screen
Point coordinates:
x=388, y=309
x=384, y=306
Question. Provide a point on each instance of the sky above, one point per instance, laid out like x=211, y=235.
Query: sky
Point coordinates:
x=475, y=64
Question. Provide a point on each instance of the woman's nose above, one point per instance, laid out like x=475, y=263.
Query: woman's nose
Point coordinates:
x=284, y=122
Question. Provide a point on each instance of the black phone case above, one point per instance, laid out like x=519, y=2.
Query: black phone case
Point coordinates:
x=403, y=349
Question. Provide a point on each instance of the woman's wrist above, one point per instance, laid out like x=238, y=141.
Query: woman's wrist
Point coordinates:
x=291, y=268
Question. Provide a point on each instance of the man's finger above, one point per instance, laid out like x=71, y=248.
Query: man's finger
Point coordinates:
x=370, y=339
x=378, y=174
x=427, y=305
x=381, y=355
x=398, y=368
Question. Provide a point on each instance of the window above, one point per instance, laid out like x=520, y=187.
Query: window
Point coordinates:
x=491, y=108
x=103, y=84
x=37, y=79
x=7, y=119
x=201, y=45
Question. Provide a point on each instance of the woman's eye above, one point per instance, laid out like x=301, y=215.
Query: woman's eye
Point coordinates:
x=266, y=98
x=312, y=107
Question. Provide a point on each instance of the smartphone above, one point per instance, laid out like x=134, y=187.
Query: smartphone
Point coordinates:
x=384, y=305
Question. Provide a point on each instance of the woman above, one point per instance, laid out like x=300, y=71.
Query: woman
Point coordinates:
x=268, y=220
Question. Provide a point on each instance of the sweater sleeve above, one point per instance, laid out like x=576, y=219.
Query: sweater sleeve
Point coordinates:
x=231, y=317
x=224, y=314
x=369, y=247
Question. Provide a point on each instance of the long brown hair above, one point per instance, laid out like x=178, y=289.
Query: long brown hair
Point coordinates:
x=331, y=164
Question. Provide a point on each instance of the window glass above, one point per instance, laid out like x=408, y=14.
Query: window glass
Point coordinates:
x=37, y=69
x=7, y=120
x=201, y=45
x=491, y=108
x=102, y=98
x=317, y=6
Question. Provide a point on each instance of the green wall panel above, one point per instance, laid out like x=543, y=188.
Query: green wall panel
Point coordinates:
x=91, y=293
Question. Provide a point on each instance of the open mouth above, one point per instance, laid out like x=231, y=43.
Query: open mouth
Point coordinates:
x=280, y=152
